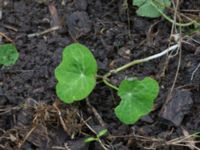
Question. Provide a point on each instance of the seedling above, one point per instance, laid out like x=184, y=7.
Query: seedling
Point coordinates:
x=8, y=54
x=77, y=74
x=97, y=137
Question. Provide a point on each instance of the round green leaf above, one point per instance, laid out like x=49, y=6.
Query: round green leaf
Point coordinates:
x=76, y=74
x=8, y=54
x=137, y=97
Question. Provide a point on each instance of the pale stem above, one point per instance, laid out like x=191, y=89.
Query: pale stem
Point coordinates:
x=172, y=48
x=138, y=61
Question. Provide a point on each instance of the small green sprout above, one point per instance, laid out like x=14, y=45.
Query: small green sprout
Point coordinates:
x=98, y=136
x=77, y=74
x=8, y=54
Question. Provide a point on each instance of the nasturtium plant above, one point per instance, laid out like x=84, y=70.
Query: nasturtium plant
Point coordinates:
x=137, y=99
x=151, y=8
x=76, y=74
x=8, y=54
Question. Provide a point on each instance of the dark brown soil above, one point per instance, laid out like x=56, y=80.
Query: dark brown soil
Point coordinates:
x=29, y=107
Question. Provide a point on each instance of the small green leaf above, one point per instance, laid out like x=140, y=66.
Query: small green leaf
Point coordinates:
x=8, y=54
x=102, y=133
x=76, y=74
x=137, y=97
x=90, y=139
x=146, y=9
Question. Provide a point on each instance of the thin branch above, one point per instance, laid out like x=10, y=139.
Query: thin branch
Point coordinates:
x=6, y=37
x=97, y=115
x=44, y=32
x=193, y=73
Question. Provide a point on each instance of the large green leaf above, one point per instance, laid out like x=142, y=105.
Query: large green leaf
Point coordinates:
x=8, y=54
x=146, y=9
x=76, y=74
x=137, y=97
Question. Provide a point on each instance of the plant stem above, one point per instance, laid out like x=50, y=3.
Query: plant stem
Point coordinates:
x=124, y=67
x=101, y=143
x=143, y=60
x=171, y=20
x=105, y=80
